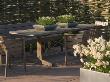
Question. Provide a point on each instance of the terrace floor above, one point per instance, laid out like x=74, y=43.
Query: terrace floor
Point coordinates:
x=39, y=73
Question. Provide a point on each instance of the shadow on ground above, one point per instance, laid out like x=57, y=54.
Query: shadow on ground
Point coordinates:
x=39, y=73
x=40, y=70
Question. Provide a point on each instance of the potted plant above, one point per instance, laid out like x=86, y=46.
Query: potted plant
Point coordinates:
x=65, y=21
x=47, y=22
x=95, y=58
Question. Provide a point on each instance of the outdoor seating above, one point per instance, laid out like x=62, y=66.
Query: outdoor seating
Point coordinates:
x=55, y=40
x=69, y=41
x=15, y=43
x=11, y=46
x=14, y=46
x=46, y=36
x=3, y=49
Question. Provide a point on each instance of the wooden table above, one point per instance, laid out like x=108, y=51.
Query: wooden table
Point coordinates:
x=26, y=35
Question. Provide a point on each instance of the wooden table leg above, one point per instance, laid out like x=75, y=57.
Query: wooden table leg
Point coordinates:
x=40, y=50
x=40, y=53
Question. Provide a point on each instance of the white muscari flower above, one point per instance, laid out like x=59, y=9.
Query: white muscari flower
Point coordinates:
x=107, y=53
x=102, y=41
x=75, y=53
x=77, y=48
x=104, y=66
x=93, y=44
x=108, y=44
x=89, y=41
x=105, y=63
x=87, y=64
x=97, y=40
x=103, y=47
x=86, y=52
x=94, y=53
x=74, y=46
x=82, y=60
x=93, y=66
x=43, y=17
x=81, y=54
x=99, y=63
x=98, y=55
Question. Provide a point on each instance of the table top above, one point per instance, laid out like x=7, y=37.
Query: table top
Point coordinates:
x=33, y=32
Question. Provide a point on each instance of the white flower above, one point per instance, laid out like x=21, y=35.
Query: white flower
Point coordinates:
x=87, y=64
x=98, y=55
x=103, y=47
x=93, y=52
x=86, y=52
x=99, y=63
x=93, y=66
x=105, y=63
x=82, y=60
x=75, y=53
x=97, y=40
x=77, y=48
x=108, y=43
x=96, y=49
x=89, y=41
x=107, y=53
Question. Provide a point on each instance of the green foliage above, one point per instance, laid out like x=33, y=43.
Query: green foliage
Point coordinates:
x=30, y=10
x=100, y=9
x=65, y=18
x=91, y=59
x=46, y=21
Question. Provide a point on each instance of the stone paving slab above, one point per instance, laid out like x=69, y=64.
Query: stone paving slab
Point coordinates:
x=42, y=74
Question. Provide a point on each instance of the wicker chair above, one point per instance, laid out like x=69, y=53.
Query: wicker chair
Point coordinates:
x=11, y=46
x=3, y=48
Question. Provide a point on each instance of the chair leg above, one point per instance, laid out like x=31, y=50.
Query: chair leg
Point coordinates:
x=24, y=55
x=61, y=47
x=9, y=61
x=0, y=59
x=6, y=64
x=24, y=58
x=65, y=44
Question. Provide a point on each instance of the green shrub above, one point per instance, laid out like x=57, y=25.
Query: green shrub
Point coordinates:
x=46, y=21
x=65, y=18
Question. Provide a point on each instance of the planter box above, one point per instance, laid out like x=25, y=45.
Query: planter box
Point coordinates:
x=45, y=28
x=62, y=25
x=72, y=25
x=39, y=27
x=93, y=76
x=50, y=27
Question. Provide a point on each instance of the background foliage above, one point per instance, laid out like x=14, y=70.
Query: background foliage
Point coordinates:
x=20, y=11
